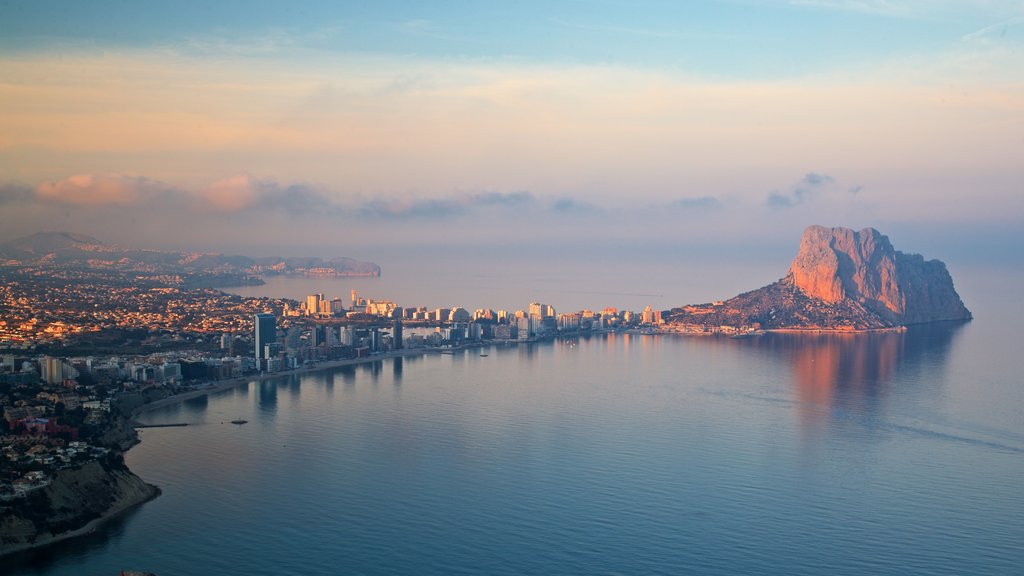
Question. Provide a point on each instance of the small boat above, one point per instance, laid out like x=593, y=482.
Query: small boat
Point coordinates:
x=483, y=355
x=239, y=422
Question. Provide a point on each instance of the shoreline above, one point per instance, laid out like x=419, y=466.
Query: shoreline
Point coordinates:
x=222, y=385
x=214, y=387
x=217, y=386
x=89, y=527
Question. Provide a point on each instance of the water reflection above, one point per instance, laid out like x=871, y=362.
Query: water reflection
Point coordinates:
x=267, y=398
x=396, y=371
x=198, y=404
x=348, y=375
x=294, y=385
x=375, y=368
x=329, y=382
x=841, y=374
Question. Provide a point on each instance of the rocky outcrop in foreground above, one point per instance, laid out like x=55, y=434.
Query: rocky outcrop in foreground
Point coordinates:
x=840, y=280
x=75, y=500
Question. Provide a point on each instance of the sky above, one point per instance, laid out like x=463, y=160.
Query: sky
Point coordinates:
x=357, y=127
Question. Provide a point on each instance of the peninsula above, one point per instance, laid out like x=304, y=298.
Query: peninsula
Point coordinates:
x=60, y=252
x=840, y=280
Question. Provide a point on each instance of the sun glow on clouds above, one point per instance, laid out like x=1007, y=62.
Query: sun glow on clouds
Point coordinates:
x=89, y=189
x=232, y=194
x=375, y=139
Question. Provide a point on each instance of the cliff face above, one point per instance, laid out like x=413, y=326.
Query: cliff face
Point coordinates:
x=841, y=279
x=74, y=498
x=837, y=264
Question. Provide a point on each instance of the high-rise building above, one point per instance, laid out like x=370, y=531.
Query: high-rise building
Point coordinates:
x=313, y=304
x=337, y=306
x=396, y=334
x=265, y=332
x=647, y=316
x=348, y=336
x=56, y=370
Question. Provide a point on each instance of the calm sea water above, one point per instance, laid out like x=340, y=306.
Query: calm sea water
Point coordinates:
x=873, y=454
x=568, y=279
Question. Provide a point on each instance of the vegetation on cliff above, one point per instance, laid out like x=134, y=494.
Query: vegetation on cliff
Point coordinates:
x=74, y=498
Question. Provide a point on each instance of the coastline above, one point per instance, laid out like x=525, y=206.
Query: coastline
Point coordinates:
x=836, y=330
x=214, y=387
x=127, y=504
x=222, y=385
x=119, y=508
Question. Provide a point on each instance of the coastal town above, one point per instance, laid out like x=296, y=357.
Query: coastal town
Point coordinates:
x=85, y=349
x=82, y=350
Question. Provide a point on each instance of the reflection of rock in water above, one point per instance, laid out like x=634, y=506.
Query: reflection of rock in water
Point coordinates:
x=852, y=373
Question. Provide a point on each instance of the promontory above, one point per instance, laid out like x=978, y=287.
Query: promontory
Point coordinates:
x=841, y=280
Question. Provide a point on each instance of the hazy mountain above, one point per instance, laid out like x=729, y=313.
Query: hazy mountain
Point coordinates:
x=65, y=249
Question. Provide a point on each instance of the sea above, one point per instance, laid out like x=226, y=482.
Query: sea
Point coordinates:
x=887, y=453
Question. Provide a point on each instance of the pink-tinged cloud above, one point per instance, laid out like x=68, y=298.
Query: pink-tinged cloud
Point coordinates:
x=233, y=194
x=92, y=189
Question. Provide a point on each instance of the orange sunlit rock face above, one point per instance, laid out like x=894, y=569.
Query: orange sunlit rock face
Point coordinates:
x=838, y=264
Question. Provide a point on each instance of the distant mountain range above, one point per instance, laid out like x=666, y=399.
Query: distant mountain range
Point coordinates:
x=67, y=250
x=840, y=280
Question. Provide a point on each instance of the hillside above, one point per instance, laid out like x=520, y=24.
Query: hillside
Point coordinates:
x=67, y=250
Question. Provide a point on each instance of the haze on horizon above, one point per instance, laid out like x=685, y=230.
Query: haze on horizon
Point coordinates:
x=244, y=126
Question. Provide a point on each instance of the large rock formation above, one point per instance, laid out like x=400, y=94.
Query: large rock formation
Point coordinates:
x=835, y=264
x=841, y=279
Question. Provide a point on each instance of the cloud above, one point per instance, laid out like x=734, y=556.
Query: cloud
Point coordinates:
x=696, y=203
x=390, y=208
x=810, y=186
x=567, y=205
x=92, y=189
x=236, y=193
x=501, y=199
x=245, y=194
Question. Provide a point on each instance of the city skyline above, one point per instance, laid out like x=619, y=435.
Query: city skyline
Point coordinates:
x=588, y=122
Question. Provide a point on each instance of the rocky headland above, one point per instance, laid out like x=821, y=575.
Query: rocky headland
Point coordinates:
x=841, y=280
x=75, y=502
